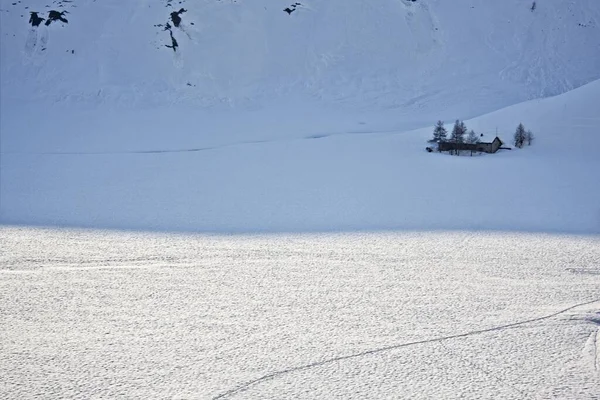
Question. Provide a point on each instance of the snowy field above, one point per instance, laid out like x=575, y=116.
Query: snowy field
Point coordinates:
x=101, y=314
x=323, y=180
x=311, y=121
x=261, y=138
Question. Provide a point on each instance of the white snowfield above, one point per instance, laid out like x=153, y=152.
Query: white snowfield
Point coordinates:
x=422, y=60
x=457, y=277
x=298, y=122
x=92, y=314
x=332, y=181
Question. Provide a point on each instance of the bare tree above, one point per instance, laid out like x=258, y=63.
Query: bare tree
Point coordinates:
x=529, y=137
x=458, y=133
x=472, y=137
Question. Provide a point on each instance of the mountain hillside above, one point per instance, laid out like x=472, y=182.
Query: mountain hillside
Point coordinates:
x=416, y=59
x=274, y=115
x=329, y=182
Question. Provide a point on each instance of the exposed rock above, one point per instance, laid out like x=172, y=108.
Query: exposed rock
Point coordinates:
x=35, y=19
x=56, y=16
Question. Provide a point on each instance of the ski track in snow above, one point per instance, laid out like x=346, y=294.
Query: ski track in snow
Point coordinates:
x=594, y=343
x=207, y=148
x=134, y=314
x=597, y=350
x=277, y=374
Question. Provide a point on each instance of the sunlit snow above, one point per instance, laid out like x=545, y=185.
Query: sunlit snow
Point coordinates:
x=316, y=250
x=407, y=315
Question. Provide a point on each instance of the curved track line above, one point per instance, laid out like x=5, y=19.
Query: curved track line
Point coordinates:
x=276, y=374
x=199, y=149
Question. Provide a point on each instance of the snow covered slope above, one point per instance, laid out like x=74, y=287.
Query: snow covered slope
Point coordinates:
x=116, y=119
x=329, y=182
x=416, y=60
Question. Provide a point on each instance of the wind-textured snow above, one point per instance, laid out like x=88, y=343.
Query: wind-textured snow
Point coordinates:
x=92, y=314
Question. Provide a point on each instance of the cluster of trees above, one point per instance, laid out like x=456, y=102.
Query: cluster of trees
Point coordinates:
x=522, y=137
x=440, y=134
x=459, y=134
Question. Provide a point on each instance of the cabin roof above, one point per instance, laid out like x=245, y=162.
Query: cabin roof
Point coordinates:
x=496, y=138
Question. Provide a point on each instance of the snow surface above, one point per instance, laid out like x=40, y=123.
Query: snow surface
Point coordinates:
x=297, y=122
x=420, y=60
x=331, y=181
x=93, y=314
x=312, y=121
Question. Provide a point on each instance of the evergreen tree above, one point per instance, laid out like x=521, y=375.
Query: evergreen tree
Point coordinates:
x=439, y=133
x=472, y=138
x=520, y=136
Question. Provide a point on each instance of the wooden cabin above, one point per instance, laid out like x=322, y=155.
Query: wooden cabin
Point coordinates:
x=483, y=147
